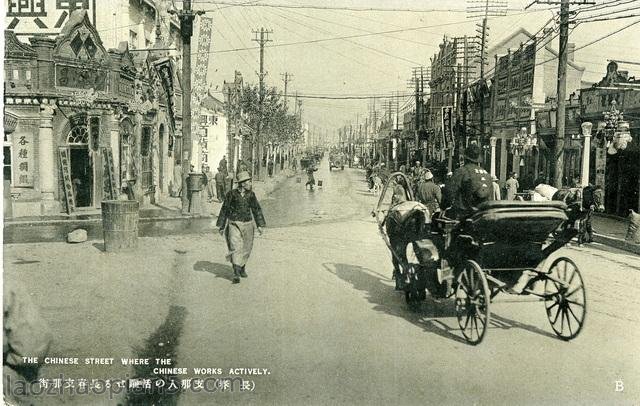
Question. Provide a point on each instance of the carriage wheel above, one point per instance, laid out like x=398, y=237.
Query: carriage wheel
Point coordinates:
x=565, y=301
x=472, y=302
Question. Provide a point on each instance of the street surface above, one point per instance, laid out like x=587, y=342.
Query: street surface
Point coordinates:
x=319, y=313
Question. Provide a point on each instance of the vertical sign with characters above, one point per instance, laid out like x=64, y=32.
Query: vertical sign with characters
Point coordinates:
x=601, y=165
x=447, y=131
x=23, y=144
x=200, y=72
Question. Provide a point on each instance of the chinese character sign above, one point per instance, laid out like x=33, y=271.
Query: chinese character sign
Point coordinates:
x=42, y=16
x=201, y=68
x=447, y=129
x=23, y=147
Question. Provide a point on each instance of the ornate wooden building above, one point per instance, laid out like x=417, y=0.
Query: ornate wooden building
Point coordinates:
x=85, y=123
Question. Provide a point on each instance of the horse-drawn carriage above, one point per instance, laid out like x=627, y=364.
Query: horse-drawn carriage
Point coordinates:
x=474, y=259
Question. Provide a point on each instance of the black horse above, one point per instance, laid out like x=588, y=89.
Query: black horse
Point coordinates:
x=581, y=203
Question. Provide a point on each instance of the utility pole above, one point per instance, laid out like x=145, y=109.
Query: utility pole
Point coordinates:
x=262, y=40
x=287, y=77
x=186, y=16
x=486, y=8
x=558, y=150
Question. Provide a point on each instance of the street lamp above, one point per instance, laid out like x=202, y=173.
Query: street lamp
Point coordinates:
x=614, y=132
x=523, y=143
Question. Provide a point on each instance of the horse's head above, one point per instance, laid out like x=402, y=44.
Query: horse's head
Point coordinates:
x=593, y=197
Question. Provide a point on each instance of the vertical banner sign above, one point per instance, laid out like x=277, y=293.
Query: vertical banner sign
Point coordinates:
x=200, y=76
x=109, y=186
x=65, y=167
x=24, y=159
x=601, y=164
x=447, y=130
x=165, y=72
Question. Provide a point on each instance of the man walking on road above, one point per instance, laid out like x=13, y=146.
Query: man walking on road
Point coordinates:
x=236, y=222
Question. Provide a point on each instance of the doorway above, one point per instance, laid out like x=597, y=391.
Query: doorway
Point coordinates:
x=81, y=164
x=161, y=158
x=81, y=176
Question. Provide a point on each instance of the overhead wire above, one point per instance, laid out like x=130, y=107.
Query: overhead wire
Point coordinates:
x=314, y=41
x=319, y=7
x=334, y=50
x=234, y=31
x=353, y=42
x=605, y=14
x=594, y=41
x=358, y=28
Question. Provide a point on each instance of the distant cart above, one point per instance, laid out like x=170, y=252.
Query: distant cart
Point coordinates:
x=305, y=163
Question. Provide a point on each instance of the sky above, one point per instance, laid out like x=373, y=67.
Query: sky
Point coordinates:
x=381, y=64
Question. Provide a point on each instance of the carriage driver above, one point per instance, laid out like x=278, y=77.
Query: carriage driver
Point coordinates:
x=469, y=186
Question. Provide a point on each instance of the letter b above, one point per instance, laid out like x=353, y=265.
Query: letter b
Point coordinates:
x=619, y=386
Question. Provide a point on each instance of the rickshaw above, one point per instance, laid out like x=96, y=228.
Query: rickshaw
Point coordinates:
x=474, y=259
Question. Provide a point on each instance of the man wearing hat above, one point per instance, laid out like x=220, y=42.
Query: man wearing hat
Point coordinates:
x=236, y=222
x=469, y=186
x=429, y=193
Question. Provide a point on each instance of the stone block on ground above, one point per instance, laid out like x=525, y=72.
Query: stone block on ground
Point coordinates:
x=77, y=236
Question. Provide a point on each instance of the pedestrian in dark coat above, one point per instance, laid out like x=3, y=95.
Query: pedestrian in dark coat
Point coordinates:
x=270, y=167
x=238, y=218
x=221, y=185
x=429, y=193
x=469, y=186
x=222, y=166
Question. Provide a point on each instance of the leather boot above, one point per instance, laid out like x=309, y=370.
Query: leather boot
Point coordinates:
x=243, y=274
x=236, y=274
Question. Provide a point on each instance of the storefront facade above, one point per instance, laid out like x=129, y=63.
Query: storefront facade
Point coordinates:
x=616, y=169
x=87, y=123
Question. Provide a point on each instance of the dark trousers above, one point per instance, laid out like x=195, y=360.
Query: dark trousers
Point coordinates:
x=585, y=232
x=220, y=191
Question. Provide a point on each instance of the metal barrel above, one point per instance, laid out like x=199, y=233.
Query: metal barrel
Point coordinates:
x=120, y=224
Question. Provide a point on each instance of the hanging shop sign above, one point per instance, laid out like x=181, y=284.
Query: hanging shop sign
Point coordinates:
x=81, y=77
x=165, y=72
x=201, y=68
x=447, y=126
